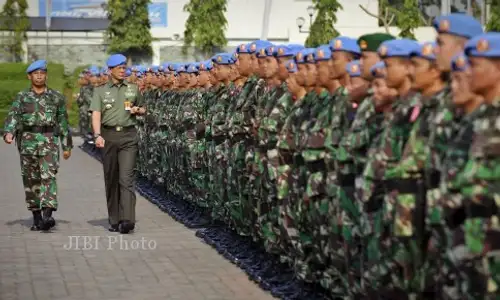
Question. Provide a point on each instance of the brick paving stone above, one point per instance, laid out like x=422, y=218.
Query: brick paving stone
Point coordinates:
x=103, y=265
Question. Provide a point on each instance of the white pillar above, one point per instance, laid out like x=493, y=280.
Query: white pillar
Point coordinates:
x=265, y=20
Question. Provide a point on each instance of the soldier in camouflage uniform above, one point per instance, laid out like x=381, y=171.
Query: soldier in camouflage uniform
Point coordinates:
x=83, y=102
x=476, y=214
x=384, y=155
x=277, y=105
x=38, y=122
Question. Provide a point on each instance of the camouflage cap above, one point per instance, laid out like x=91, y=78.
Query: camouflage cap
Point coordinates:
x=371, y=42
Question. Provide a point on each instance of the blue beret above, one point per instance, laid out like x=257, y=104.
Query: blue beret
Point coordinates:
x=301, y=56
x=244, y=48
x=271, y=50
x=291, y=66
x=154, y=69
x=192, y=68
x=104, y=71
x=425, y=50
x=206, y=65
x=94, y=71
x=37, y=65
x=223, y=59
x=257, y=45
x=484, y=45
x=459, y=63
x=397, y=48
x=180, y=68
x=128, y=72
x=458, y=24
x=378, y=70
x=287, y=50
x=116, y=60
x=266, y=51
x=164, y=66
x=354, y=68
x=347, y=44
x=139, y=74
x=323, y=52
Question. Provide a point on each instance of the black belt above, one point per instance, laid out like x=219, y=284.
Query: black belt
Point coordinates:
x=39, y=129
x=119, y=128
x=238, y=137
x=316, y=166
x=346, y=179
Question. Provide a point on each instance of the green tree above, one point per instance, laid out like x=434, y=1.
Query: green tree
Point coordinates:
x=206, y=25
x=129, y=30
x=15, y=21
x=494, y=19
x=408, y=18
x=322, y=29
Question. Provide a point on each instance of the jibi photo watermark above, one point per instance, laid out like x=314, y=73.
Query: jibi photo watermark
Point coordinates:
x=86, y=242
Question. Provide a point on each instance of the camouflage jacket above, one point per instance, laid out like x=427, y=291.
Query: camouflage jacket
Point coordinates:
x=366, y=126
x=278, y=101
x=85, y=97
x=45, y=110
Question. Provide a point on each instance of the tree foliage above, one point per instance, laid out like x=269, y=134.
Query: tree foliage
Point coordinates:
x=385, y=16
x=408, y=18
x=15, y=21
x=205, y=26
x=494, y=19
x=322, y=29
x=129, y=31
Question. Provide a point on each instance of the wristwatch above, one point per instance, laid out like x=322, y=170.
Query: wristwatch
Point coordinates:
x=96, y=135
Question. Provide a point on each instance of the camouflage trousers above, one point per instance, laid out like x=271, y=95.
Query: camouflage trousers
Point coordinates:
x=84, y=121
x=196, y=173
x=268, y=219
x=237, y=192
x=142, y=150
x=220, y=181
x=39, y=180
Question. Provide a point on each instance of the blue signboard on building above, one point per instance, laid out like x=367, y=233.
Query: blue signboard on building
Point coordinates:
x=96, y=9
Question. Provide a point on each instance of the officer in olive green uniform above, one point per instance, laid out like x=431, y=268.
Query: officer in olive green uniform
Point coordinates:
x=114, y=108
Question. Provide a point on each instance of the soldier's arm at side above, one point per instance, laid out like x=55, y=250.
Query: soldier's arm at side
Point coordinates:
x=12, y=119
x=96, y=108
x=65, y=132
x=140, y=103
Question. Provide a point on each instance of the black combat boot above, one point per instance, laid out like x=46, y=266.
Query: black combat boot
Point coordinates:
x=47, y=221
x=37, y=220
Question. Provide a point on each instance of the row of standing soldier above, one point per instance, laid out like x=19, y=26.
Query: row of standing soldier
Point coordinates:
x=369, y=165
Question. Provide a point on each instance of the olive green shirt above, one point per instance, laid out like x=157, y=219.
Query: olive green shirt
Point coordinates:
x=113, y=99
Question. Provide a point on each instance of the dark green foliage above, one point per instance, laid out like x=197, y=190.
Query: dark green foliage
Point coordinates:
x=15, y=22
x=205, y=26
x=322, y=30
x=129, y=31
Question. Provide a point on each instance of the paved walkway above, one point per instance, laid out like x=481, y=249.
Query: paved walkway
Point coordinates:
x=161, y=260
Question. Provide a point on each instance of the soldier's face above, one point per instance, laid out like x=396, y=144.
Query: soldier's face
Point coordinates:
x=382, y=94
x=485, y=74
x=460, y=88
x=397, y=70
x=339, y=62
x=368, y=59
x=245, y=64
x=222, y=73
x=203, y=78
x=262, y=67
x=324, y=67
x=292, y=84
x=282, y=71
x=271, y=67
x=38, y=77
x=423, y=74
x=312, y=74
x=300, y=76
x=118, y=72
x=447, y=47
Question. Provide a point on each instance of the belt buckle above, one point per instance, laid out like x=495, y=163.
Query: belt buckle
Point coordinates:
x=119, y=128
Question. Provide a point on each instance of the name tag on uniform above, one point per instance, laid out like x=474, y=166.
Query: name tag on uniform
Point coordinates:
x=128, y=105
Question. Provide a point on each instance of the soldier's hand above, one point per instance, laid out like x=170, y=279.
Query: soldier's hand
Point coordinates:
x=8, y=138
x=66, y=154
x=99, y=142
x=134, y=110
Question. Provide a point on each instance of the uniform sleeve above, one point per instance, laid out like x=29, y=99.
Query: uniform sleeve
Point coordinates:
x=65, y=132
x=13, y=118
x=80, y=98
x=95, y=103
x=140, y=101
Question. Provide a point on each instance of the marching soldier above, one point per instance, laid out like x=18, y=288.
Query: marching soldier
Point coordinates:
x=38, y=122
